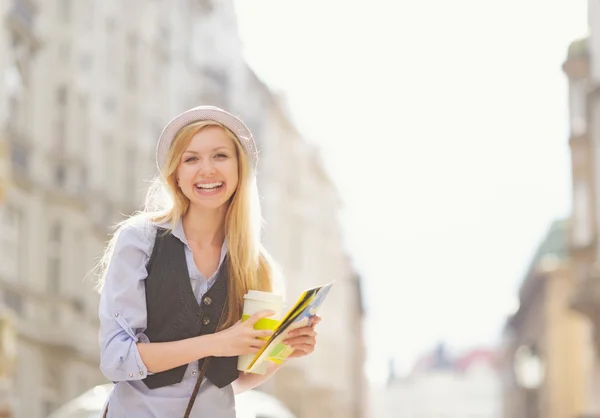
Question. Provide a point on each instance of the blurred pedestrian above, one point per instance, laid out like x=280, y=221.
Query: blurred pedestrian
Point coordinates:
x=173, y=278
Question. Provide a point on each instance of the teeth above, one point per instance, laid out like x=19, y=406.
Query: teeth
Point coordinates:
x=208, y=185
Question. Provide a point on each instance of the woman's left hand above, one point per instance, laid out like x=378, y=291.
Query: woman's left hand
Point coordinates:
x=303, y=340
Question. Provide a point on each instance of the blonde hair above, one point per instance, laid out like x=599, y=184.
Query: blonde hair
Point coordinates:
x=248, y=263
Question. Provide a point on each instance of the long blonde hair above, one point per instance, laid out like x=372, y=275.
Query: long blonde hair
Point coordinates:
x=248, y=263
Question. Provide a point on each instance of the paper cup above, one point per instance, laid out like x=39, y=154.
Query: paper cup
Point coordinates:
x=255, y=301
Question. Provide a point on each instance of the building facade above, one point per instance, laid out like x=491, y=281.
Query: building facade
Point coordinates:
x=79, y=143
x=582, y=69
x=552, y=344
x=85, y=89
x=302, y=231
x=546, y=347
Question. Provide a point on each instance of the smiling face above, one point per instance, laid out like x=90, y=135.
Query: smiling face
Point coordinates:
x=207, y=173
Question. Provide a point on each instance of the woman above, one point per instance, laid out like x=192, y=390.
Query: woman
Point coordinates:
x=173, y=278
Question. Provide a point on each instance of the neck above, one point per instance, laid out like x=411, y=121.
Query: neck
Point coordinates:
x=205, y=227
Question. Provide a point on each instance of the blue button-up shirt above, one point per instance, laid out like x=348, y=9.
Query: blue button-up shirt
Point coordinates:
x=123, y=322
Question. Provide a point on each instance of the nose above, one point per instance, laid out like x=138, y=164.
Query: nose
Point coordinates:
x=206, y=167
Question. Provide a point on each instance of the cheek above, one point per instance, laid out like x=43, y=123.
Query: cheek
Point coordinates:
x=183, y=173
x=234, y=178
x=232, y=172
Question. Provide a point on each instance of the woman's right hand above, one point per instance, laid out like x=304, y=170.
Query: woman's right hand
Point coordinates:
x=242, y=338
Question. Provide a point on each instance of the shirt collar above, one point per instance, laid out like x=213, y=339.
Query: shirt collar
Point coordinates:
x=177, y=231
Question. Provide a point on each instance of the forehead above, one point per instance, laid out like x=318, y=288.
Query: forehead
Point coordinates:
x=210, y=137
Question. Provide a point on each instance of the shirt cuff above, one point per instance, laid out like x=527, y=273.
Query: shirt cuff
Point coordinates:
x=143, y=370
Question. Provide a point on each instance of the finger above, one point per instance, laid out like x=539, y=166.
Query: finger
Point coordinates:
x=300, y=340
x=314, y=320
x=252, y=350
x=302, y=331
x=305, y=348
x=257, y=316
x=265, y=333
x=256, y=343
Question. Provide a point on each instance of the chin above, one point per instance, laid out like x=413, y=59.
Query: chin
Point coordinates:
x=208, y=204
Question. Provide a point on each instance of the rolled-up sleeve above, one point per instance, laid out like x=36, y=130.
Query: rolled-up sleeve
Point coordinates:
x=122, y=309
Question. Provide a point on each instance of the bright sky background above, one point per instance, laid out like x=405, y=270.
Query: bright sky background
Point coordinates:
x=445, y=126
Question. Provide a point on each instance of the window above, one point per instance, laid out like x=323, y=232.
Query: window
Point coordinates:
x=131, y=70
x=61, y=118
x=53, y=285
x=85, y=61
x=54, y=264
x=82, y=184
x=19, y=158
x=13, y=109
x=82, y=132
x=79, y=263
x=12, y=244
x=85, y=15
x=14, y=81
x=60, y=175
x=108, y=167
x=110, y=44
x=110, y=105
x=594, y=22
x=64, y=11
x=64, y=53
x=578, y=106
x=582, y=228
x=14, y=301
x=83, y=126
x=130, y=173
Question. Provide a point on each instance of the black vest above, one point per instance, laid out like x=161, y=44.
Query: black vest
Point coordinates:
x=174, y=314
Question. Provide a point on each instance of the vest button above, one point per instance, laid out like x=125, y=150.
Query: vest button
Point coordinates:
x=206, y=320
x=207, y=300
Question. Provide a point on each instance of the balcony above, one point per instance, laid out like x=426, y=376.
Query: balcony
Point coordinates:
x=57, y=323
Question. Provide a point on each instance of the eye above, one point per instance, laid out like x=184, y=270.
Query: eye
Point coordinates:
x=221, y=156
x=189, y=159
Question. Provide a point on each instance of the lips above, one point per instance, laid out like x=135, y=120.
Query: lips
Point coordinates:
x=209, y=189
x=209, y=186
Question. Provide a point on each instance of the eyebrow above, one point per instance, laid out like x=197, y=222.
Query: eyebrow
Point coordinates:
x=223, y=147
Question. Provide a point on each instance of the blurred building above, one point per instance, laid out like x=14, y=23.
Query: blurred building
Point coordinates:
x=582, y=68
x=441, y=385
x=546, y=347
x=85, y=88
x=302, y=231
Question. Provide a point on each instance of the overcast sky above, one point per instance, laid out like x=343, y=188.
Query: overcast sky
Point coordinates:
x=445, y=126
